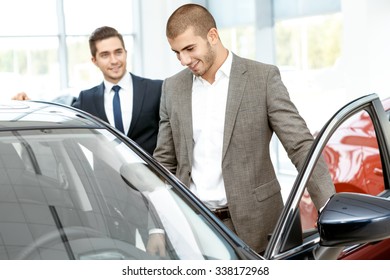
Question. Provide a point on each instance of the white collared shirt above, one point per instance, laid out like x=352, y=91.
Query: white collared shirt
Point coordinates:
x=126, y=97
x=208, y=117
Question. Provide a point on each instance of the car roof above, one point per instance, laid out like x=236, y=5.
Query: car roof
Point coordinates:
x=15, y=115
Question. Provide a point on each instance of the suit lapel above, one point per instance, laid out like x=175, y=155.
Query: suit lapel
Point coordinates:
x=139, y=92
x=185, y=110
x=236, y=90
x=98, y=100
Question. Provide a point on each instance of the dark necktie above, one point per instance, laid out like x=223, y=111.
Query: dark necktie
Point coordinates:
x=117, y=109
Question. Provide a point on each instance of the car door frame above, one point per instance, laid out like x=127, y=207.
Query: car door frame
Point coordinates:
x=282, y=233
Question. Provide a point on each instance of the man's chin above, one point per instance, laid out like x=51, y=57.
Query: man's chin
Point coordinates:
x=196, y=73
x=117, y=76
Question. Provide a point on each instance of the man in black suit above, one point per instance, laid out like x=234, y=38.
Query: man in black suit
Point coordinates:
x=139, y=103
x=140, y=97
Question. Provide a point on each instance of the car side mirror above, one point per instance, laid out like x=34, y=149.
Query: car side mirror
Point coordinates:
x=351, y=218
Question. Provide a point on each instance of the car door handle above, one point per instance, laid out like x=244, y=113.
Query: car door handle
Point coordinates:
x=378, y=171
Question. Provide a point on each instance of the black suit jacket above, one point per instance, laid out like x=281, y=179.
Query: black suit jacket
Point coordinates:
x=146, y=104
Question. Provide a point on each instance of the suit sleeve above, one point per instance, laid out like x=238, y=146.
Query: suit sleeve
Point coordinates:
x=165, y=149
x=295, y=136
x=77, y=102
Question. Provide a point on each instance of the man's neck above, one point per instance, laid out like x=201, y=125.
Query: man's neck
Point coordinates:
x=222, y=54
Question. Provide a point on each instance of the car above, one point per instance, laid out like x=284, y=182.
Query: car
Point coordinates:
x=354, y=161
x=356, y=141
x=74, y=187
x=353, y=157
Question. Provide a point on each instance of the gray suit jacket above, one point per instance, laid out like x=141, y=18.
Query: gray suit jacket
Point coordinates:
x=258, y=105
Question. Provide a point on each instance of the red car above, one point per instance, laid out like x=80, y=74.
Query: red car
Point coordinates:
x=355, y=165
x=354, y=162
x=353, y=157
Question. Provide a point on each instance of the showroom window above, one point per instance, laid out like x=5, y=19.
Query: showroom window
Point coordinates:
x=48, y=55
x=308, y=51
x=236, y=25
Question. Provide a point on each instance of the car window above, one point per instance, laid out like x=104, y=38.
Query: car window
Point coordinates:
x=352, y=156
x=354, y=159
x=83, y=194
x=354, y=153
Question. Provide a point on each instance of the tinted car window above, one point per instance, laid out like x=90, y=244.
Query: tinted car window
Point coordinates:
x=83, y=194
x=354, y=159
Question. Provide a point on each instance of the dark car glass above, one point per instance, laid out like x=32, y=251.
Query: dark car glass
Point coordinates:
x=83, y=194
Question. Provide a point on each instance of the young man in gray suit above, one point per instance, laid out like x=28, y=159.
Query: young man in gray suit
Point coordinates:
x=217, y=119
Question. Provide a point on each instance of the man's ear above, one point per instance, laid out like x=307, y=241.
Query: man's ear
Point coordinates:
x=213, y=36
x=93, y=59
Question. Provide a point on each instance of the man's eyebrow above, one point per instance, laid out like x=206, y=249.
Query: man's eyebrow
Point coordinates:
x=107, y=52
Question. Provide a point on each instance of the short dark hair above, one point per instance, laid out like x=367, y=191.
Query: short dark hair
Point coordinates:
x=102, y=33
x=190, y=15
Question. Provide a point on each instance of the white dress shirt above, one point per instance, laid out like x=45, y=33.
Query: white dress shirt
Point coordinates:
x=126, y=97
x=208, y=117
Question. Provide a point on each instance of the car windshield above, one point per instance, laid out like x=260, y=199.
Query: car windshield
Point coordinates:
x=84, y=194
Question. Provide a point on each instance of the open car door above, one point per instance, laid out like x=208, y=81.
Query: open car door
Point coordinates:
x=351, y=225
